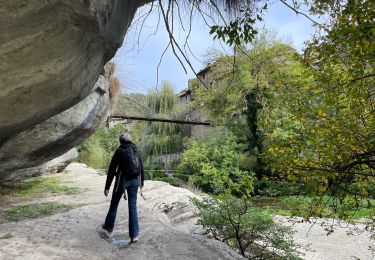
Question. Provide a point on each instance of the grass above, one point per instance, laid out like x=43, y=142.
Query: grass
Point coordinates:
x=7, y=236
x=45, y=185
x=5, y=190
x=305, y=206
x=33, y=211
x=36, y=187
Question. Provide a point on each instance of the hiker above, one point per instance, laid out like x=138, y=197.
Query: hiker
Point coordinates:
x=126, y=165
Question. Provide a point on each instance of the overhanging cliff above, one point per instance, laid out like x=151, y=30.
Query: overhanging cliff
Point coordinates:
x=53, y=90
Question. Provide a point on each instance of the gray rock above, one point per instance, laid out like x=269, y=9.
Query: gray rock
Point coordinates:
x=58, y=164
x=53, y=94
x=54, y=166
x=56, y=135
x=51, y=55
x=71, y=235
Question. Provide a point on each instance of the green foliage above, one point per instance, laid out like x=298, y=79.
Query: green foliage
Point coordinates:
x=33, y=211
x=240, y=30
x=162, y=101
x=316, y=120
x=274, y=188
x=172, y=181
x=7, y=236
x=92, y=154
x=252, y=231
x=241, y=87
x=319, y=126
x=98, y=150
x=36, y=187
x=213, y=165
x=158, y=138
x=134, y=104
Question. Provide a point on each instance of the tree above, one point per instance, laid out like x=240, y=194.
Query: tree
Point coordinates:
x=240, y=225
x=161, y=138
x=240, y=88
x=325, y=135
x=319, y=120
x=98, y=150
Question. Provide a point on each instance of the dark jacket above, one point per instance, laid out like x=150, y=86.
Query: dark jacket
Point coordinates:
x=118, y=163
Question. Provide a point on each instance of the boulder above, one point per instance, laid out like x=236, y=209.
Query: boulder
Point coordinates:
x=51, y=55
x=54, y=166
x=56, y=135
x=53, y=88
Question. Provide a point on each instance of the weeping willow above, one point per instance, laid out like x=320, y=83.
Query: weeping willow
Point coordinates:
x=163, y=101
x=162, y=139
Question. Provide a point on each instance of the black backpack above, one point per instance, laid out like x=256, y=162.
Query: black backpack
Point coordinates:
x=132, y=161
x=131, y=165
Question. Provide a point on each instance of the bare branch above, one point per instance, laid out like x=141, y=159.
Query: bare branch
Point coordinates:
x=301, y=13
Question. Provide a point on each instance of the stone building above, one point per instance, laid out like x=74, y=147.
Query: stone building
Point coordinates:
x=194, y=114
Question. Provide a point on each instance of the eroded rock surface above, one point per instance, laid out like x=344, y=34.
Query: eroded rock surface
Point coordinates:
x=74, y=234
x=53, y=166
x=56, y=135
x=53, y=93
x=51, y=54
x=167, y=228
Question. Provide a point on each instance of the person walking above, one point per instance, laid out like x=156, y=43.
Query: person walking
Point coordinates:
x=126, y=165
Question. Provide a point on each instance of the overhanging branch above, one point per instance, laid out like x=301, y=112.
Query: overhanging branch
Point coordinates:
x=153, y=119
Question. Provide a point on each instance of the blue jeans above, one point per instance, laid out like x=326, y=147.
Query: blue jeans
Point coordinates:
x=131, y=186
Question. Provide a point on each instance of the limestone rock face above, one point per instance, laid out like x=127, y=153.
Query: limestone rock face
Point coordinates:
x=58, y=164
x=51, y=54
x=56, y=135
x=53, y=89
x=54, y=166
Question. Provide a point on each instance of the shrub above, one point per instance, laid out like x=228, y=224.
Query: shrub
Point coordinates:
x=213, y=165
x=250, y=230
x=92, y=154
x=172, y=181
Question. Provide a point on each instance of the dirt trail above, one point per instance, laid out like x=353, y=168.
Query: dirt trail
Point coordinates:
x=74, y=234
x=167, y=229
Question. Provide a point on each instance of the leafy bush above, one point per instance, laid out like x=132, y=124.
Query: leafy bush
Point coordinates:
x=92, y=154
x=250, y=230
x=213, y=165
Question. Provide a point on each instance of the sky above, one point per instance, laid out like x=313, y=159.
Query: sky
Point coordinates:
x=138, y=58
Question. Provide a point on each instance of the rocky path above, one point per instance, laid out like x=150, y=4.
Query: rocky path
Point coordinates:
x=347, y=242
x=167, y=229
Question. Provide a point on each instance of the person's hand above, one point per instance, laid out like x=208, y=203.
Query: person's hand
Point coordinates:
x=106, y=192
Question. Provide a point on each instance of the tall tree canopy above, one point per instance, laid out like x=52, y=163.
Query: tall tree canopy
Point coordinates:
x=240, y=87
x=328, y=136
x=310, y=116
